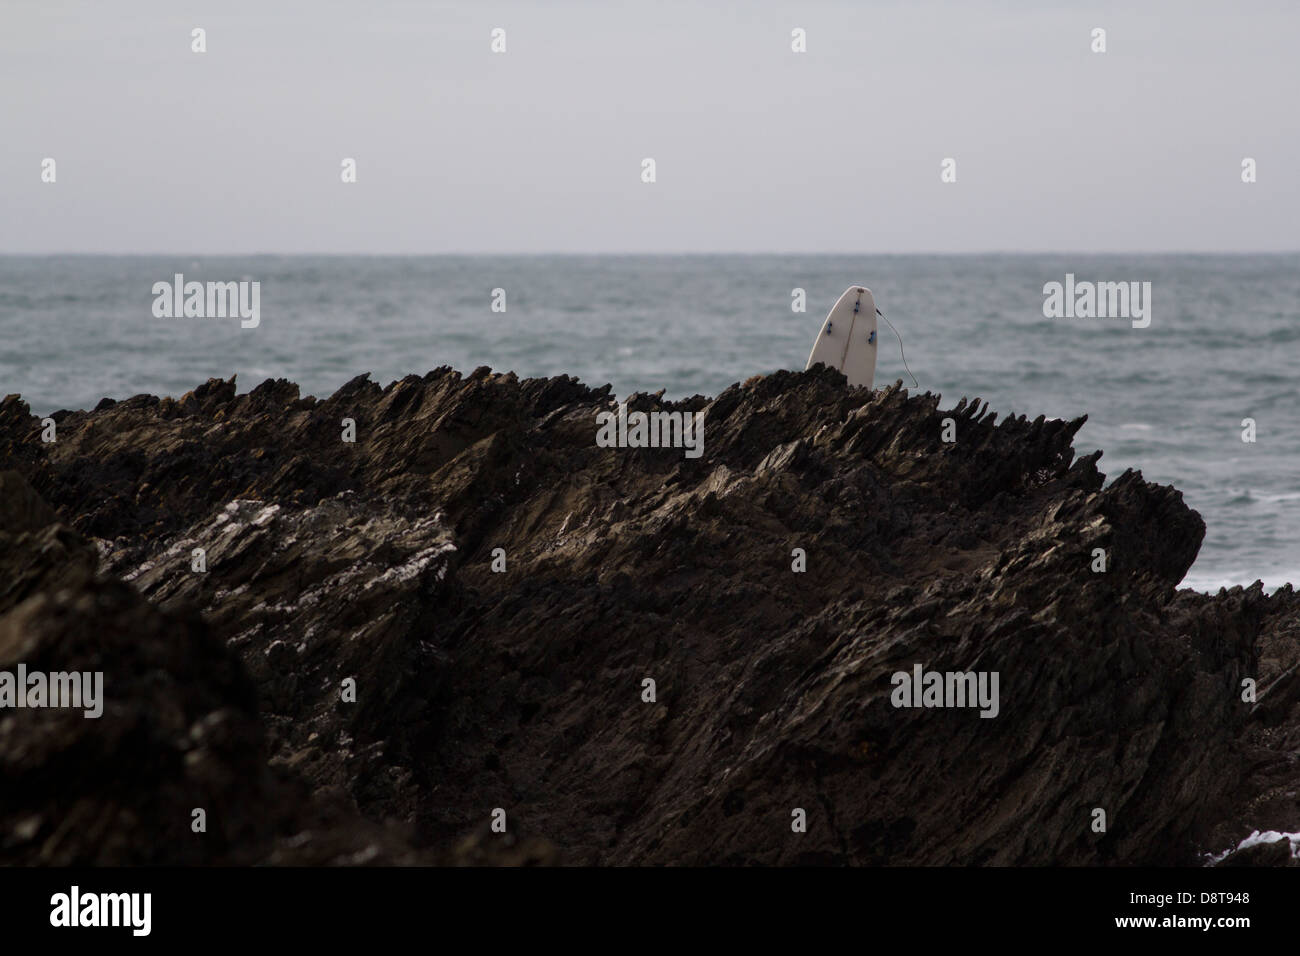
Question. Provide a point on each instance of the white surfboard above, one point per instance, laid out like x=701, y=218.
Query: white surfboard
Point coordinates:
x=847, y=340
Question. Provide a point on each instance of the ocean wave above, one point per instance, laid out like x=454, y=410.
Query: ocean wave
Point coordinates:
x=1245, y=496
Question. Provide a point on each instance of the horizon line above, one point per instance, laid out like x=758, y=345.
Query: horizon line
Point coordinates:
x=660, y=253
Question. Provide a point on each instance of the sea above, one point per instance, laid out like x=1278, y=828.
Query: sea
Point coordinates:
x=1218, y=362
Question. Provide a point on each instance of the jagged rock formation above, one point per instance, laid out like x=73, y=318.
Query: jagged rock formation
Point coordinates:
x=523, y=689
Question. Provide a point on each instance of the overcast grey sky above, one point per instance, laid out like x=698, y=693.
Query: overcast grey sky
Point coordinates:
x=757, y=148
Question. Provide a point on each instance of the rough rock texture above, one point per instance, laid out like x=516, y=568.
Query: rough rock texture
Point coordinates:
x=523, y=689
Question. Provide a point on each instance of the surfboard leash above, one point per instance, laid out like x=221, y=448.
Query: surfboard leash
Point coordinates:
x=902, y=355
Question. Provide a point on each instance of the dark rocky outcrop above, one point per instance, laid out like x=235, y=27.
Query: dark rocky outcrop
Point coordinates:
x=523, y=689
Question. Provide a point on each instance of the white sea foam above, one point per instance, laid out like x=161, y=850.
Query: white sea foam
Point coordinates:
x=1268, y=836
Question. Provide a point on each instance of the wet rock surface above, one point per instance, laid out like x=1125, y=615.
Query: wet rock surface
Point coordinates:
x=523, y=689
